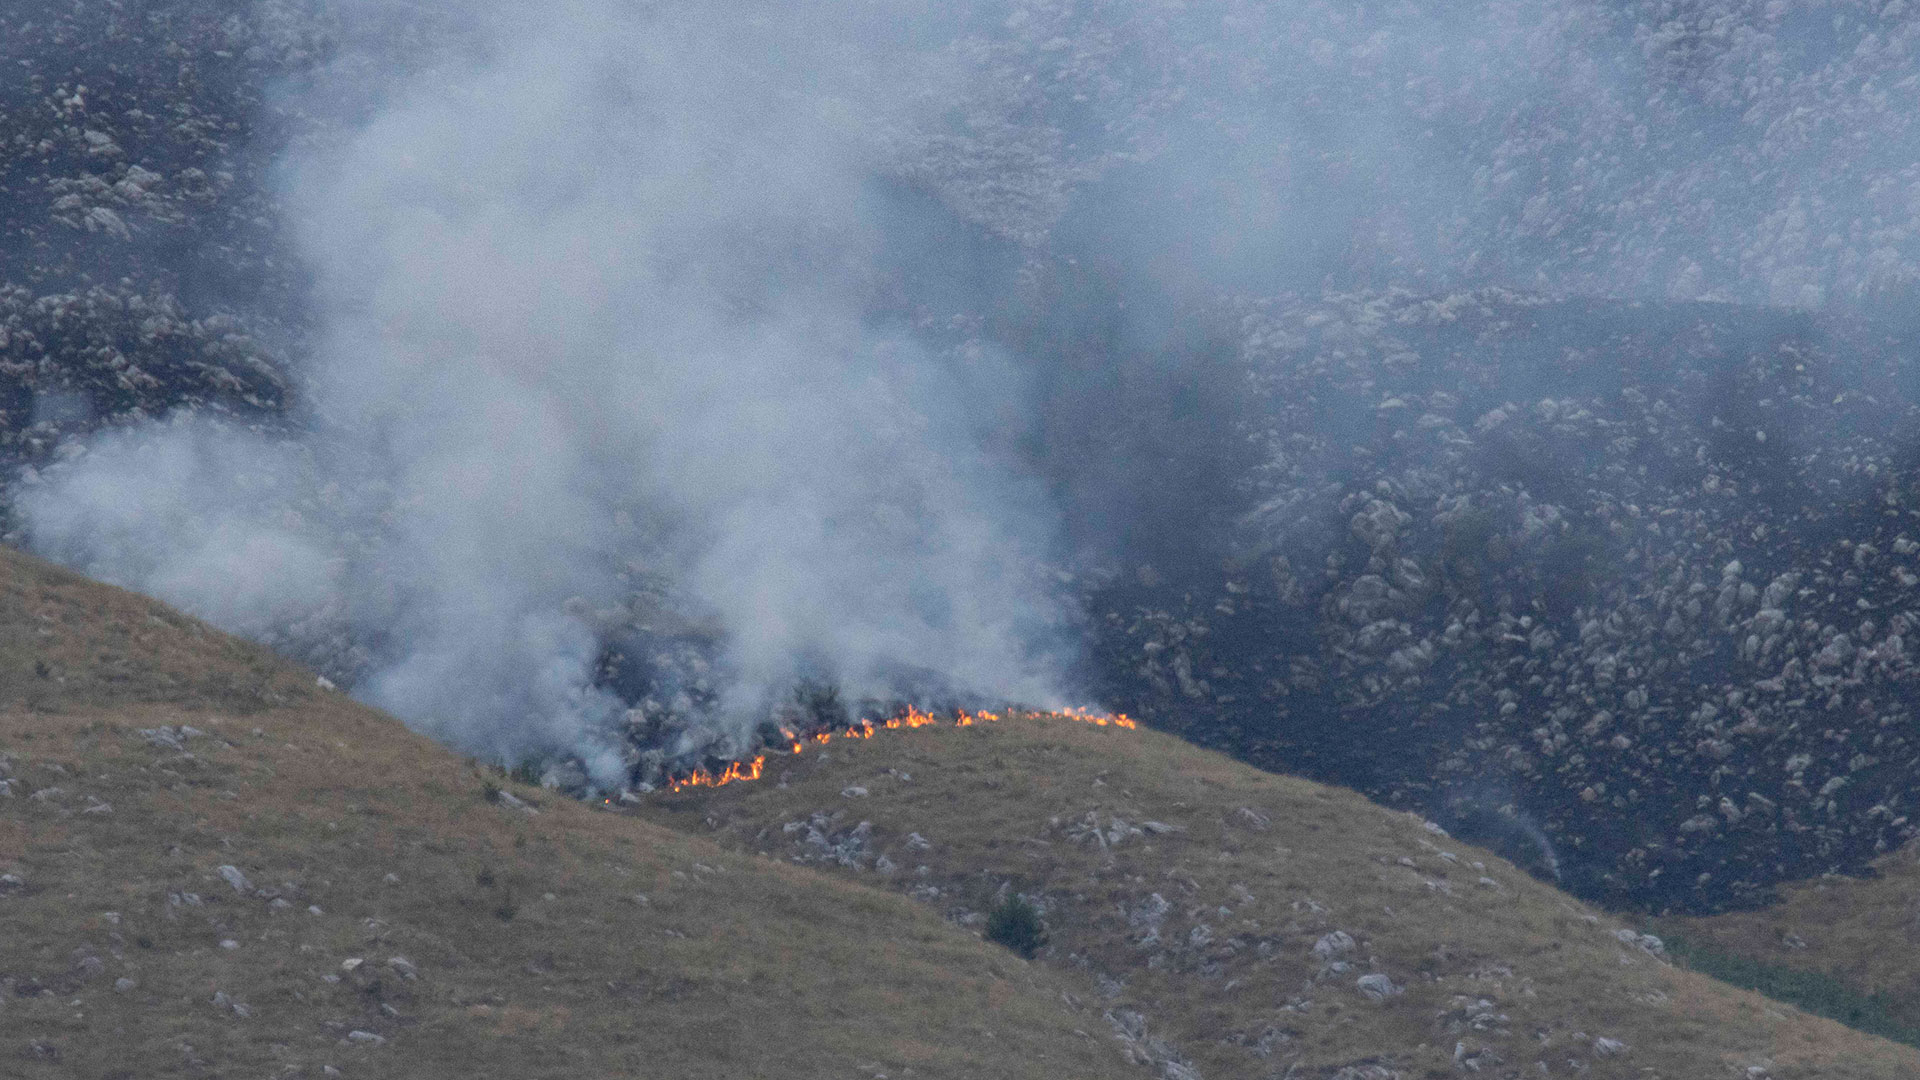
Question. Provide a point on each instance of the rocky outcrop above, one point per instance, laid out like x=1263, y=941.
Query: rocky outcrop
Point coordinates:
x=1625, y=589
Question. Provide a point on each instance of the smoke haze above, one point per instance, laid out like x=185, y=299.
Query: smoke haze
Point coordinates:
x=602, y=303
x=592, y=310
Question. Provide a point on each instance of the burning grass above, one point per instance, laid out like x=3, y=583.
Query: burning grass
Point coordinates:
x=909, y=718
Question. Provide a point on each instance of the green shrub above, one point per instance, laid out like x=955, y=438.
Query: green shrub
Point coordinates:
x=1015, y=923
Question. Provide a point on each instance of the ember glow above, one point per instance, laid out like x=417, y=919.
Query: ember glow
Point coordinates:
x=736, y=771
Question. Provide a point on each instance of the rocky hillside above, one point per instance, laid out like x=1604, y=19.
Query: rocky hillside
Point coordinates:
x=1626, y=587
x=145, y=266
x=1228, y=922
x=210, y=867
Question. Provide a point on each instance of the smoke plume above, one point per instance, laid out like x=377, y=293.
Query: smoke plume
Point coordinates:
x=614, y=329
x=594, y=314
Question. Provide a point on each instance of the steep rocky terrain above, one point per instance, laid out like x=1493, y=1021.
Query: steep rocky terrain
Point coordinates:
x=1627, y=588
x=209, y=867
x=137, y=217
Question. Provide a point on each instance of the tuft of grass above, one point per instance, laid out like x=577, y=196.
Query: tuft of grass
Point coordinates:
x=1015, y=923
x=1815, y=992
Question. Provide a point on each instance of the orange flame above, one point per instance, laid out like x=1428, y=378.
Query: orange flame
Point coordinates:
x=864, y=729
x=734, y=772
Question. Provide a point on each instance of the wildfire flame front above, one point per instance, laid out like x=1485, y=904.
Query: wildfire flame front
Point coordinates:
x=736, y=771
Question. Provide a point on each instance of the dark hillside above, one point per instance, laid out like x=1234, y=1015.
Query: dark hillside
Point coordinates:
x=1626, y=587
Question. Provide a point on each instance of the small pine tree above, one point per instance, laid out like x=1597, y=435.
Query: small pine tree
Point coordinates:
x=1015, y=923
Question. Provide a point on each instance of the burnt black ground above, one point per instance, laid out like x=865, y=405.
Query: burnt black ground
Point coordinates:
x=1531, y=568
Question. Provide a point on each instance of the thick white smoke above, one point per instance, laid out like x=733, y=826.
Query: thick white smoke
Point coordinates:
x=594, y=307
x=596, y=297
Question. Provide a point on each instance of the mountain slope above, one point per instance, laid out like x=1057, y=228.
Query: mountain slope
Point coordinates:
x=1237, y=923
x=213, y=868
x=1861, y=932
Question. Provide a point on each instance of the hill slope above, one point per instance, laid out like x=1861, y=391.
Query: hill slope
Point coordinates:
x=1237, y=923
x=1862, y=932
x=212, y=868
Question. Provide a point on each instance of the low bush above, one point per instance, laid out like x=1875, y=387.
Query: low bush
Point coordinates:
x=1015, y=923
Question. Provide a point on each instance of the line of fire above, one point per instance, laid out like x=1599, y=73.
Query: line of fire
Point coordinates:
x=741, y=771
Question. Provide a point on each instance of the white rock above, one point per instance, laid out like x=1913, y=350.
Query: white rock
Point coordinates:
x=513, y=802
x=1377, y=987
x=235, y=878
x=1334, y=945
x=101, y=219
x=1607, y=1048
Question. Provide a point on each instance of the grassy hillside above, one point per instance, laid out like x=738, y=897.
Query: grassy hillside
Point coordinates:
x=209, y=867
x=1236, y=923
x=1862, y=934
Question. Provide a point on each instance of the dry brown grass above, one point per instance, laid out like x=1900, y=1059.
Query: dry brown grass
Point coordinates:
x=1498, y=970
x=570, y=943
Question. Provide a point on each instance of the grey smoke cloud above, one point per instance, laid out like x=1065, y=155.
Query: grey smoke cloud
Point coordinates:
x=594, y=304
x=596, y=294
